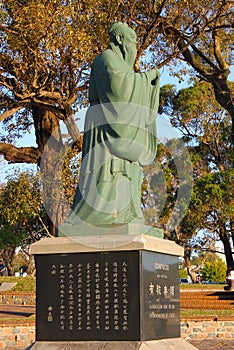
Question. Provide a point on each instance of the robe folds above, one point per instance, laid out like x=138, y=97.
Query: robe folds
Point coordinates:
x=119, y=139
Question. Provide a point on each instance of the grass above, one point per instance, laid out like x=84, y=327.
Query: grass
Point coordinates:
x=28, y=284
x=14, y=320
x=208, y=312
x=202, y=286
x=24, y=284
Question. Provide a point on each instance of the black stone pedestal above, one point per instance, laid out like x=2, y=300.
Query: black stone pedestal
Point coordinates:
x=112, y=297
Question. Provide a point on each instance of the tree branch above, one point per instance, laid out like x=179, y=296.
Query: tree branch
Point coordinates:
x=6, y=29
x=74, y=132
x=51, y=95
x=14, y=109
x=44, y=227
x=20, y=96
x=217, y=51
x=190, y=58
x=20, y=155
x=149, y=31
x=49, y=107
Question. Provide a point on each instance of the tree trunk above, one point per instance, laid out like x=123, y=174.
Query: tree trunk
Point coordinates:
x=8, y=255
x=223, y=95
x=188, y=266
x=213, y=74
x=224, y=236
x=49, y=140
x=31, y=265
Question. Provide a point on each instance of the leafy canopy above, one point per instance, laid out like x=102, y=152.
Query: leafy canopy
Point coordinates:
x=21, y=210
x=214, y=270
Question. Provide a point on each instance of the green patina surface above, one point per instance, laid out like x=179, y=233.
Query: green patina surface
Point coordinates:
x=119, y=136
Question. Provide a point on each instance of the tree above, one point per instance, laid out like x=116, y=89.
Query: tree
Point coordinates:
x=45, y=55
x=205, y=127
x=214, y=270
x=43, y=81
x=183, y=273
x=166, y=195
x=22, y=219
x=197, y=33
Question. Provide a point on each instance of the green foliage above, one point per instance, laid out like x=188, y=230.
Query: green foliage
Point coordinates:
x=48, y=46
x=23, y=284
x=47, y=49
x=209, y=312
x=167, y=186
x=205, y=129
x=21, y=198
x=11, y=236
x=183, y=273
x=19, y=262
x=198, y=116
x=214, y=271
x=21, y=210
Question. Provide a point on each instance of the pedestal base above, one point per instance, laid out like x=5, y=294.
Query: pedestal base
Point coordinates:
x=113, y=292
x=69, y=230
x=163, y=344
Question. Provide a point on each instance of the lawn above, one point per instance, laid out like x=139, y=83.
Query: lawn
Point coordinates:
x=203, y=312
x=201, y=287
x=28, y=284
x=24, y=284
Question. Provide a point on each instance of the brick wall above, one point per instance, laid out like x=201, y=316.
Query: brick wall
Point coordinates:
x=21, y=335
x=207, y=327
x=17, y=298
x=17, y=336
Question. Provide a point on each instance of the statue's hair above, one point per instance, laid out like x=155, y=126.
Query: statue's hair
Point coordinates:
x=117, y=28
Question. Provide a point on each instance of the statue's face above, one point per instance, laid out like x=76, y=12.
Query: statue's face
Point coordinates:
x=129, y=46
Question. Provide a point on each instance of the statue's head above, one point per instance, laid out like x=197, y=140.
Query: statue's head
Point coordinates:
x=125, y=37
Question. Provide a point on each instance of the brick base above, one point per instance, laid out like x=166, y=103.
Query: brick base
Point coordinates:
x=207, y=328
x=18, y=298
x=17, y=336
x=22, y=335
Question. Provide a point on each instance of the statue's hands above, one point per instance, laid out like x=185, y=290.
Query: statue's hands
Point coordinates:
x=153, y=75
x=157, y=76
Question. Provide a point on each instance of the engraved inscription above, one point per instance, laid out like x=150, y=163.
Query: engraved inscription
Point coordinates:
x=89, y=296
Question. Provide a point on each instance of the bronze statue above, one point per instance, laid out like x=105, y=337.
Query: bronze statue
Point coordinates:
x=119, y=135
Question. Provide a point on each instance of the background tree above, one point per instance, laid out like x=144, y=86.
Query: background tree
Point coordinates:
x=197, y=33
x=214, y=270
x=183, y=273
x=22, y=218
x=45, y=55
x=205, y=126
x=166, y=195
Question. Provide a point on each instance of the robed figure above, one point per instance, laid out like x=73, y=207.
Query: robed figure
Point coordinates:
x=119, y=135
